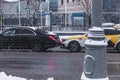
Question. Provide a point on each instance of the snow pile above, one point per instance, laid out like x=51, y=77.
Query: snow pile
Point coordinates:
x=3, y=76
x=50, y=78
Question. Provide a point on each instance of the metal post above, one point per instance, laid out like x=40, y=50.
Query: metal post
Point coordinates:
x=34, y=19
x=50, y=20
x=1, y=19
x=41, y=14
x=84, y=21
x=65, y=14
x=96, y=18
x=19, y=13
x=28, y=13
x=95, y=67
x=2, y=22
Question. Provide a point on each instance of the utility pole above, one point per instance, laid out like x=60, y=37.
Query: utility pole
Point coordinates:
x=19, y=13
x=28, y=12
x=50, y=20
x=65, y=14
x=95, y=67
x=41, y=11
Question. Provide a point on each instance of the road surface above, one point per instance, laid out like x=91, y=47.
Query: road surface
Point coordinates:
x=59, y=65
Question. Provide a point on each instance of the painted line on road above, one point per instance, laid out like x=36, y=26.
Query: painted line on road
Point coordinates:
x=113, y=62
x=114, y=75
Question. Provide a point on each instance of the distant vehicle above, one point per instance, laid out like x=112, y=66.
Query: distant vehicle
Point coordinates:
x=108, y=24
x=117, y=26
x=28, y=37
x=76, y=43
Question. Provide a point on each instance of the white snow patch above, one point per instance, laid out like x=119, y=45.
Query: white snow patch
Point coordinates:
x=3, y=76
x=50, y=78
x=11, y=0
x=96, y=29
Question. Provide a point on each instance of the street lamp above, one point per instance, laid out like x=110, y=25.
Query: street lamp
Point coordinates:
x=95, y=67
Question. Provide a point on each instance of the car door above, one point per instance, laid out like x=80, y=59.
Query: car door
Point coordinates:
x=24, y=36
x=112, y=36
x=8, y=38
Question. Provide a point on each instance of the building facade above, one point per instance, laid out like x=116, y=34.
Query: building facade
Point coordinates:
x=65, y=13
x=27, y=10
x=74, y=15
x=111, y=11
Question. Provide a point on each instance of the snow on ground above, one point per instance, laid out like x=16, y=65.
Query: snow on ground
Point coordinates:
x=3, y=76
x=50, y=78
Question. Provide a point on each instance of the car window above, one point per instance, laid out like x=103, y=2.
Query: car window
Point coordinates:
x=9, y=32
x=24, y=31
x=111, y=32
x=40, y=31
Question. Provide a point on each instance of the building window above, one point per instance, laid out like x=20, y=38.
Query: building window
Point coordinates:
x=61, y=2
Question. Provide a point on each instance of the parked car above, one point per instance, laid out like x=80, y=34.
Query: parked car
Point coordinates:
x=28, y=37
x=76, y=43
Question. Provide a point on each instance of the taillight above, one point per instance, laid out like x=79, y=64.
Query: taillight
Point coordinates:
x=52, y=37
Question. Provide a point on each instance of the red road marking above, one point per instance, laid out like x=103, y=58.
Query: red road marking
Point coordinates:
x=52, y=65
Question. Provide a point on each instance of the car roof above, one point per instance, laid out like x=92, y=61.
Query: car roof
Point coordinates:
x=108, y=28
x=108, y=24
x=24, y=27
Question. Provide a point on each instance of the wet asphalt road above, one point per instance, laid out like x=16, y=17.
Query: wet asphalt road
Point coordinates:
x=59, y=65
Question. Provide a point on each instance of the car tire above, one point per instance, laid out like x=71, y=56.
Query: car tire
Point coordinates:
x=74, y=46
x=118, y=47
x=36, y=47
x=1, y=48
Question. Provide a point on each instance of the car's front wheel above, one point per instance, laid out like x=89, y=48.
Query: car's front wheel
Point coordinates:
x=74, y=46
x=118, y=47
x=36, y=47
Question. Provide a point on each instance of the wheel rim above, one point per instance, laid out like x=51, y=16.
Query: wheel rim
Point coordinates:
x=36, y=47
x=118, y=47
x=74, y=46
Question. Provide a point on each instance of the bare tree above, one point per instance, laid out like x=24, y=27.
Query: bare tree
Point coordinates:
x=86, y=5
x=36, y=4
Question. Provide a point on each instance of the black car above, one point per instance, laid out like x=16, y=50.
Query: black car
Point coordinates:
x=28, y=37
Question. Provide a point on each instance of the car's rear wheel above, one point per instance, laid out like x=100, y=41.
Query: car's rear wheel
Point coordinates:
x=74, y=46
x=118, y=47
x=36, y=47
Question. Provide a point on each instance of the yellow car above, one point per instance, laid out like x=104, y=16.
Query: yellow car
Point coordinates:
x=76, y=43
